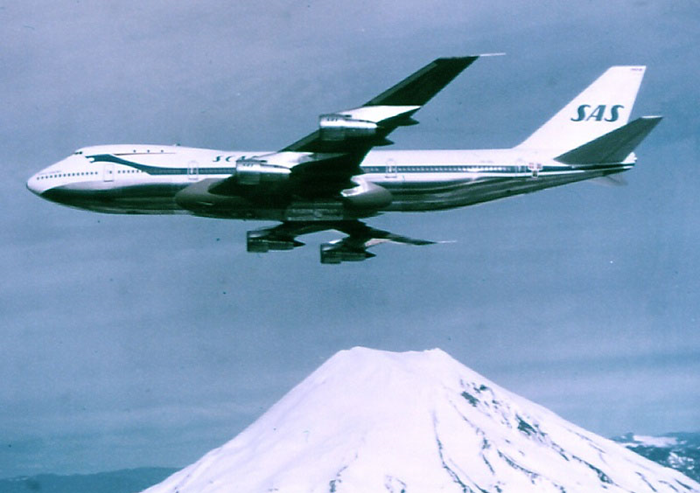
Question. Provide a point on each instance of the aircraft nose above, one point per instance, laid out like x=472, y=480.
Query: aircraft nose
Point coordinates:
x=33, y=185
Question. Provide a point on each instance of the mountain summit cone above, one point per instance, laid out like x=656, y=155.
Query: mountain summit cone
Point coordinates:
x=374, y=421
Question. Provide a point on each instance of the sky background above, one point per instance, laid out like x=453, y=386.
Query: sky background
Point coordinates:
x=147, y=341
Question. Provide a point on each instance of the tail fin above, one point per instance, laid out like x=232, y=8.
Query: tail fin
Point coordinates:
x=613, y=147
x=601, y=108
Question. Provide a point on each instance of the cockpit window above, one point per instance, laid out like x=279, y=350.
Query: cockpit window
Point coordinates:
x=77, y=153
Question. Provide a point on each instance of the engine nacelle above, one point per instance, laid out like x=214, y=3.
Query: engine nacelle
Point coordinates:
x=335, y=127
x=263, y=241
x=332, y=253
x=257, y=171
x=367, y=195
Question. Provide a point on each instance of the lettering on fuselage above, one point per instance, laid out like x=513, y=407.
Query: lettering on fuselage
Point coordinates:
x=223, y=159
x=598, y=114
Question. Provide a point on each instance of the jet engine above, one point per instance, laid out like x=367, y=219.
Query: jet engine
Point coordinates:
x=256, y=171
x=335, y=253
x=335, y=127
x=264, y=241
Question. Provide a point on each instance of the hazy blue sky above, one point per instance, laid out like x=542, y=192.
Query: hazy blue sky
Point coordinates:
x=130, y=341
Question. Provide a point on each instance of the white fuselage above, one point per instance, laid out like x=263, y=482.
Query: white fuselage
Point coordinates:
x=145, y=179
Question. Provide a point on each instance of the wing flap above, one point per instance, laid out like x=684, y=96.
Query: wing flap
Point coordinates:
x=361, y=234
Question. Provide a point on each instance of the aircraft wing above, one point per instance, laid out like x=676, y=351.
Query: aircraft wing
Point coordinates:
x=389, y=110
x=323, y=162
x=345, y=137
x=353, y=248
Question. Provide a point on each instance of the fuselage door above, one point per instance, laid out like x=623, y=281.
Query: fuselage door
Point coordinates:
x=193, y=170
x=108, y=172
x=391, y=169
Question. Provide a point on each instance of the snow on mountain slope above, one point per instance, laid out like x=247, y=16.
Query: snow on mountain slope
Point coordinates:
x=679, y=451
x=374, y=421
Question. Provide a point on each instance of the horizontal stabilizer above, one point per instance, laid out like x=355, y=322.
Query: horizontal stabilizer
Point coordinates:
x=613, y=147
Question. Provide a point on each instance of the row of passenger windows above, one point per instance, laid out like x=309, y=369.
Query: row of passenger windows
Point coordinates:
x=64, y=175
x=436, y=169
x=148, y=151
x=85, y=173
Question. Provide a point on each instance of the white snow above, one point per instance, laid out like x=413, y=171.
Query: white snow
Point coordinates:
x=647, y=441
x=375, y=421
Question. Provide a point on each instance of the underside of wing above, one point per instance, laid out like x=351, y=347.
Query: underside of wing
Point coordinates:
x=352, y=248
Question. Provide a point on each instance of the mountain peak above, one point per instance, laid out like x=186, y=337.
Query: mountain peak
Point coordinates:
x=379, y=357
x=370, y=420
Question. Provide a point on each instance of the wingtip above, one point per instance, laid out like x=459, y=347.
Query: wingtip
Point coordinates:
x=471, y=57
x=631, y=68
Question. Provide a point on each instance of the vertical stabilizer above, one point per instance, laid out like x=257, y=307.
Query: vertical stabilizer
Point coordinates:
x=604, y=106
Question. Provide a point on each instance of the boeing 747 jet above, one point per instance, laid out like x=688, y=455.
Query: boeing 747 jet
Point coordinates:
x=334, y=179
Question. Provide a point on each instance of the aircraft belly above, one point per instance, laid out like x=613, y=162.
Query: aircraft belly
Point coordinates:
x=140, y=199
x=417, y=197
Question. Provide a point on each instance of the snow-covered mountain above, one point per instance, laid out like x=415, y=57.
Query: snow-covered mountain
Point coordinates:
x=374, y=421
x=679, y=451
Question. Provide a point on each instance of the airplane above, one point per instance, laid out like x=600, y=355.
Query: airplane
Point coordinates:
x=334, y=179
